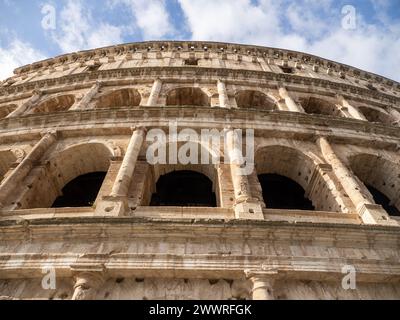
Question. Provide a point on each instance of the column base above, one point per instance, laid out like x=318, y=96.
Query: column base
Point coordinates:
x=113, y=207
x=375, y=214
x=249, y=210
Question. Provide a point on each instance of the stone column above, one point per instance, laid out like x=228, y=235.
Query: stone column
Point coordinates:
x=245, y=206
x=290, y=103
x=369, y=212
x=27, y=105
x=223, y=95
x=395, y=114
x=23, y=169
x=263, y=284
x=350, y=110
x=125, y=173
x=155, y=93
x=86, y=285
x=83, y=104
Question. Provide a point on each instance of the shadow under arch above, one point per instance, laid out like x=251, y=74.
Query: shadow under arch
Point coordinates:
x=187, y=96
x=7, y=158
x=6, y=110
x=184, y=188
x=292, y=172
x=377, y=116
x=314, y=105
x=381, y=177
x=254, y=99
x=72, y=163
x=197, y=169
x=55, y=104
x=126, y=97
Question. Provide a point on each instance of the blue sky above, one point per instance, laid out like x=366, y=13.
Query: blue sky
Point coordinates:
x=367, y=36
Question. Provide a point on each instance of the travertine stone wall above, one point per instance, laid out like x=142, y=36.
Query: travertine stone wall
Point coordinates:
x=331, y=128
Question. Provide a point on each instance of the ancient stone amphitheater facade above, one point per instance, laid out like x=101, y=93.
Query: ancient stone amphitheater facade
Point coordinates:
x=80, y=200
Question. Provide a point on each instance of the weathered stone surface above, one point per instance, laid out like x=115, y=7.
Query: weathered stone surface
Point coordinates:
x=90, y=112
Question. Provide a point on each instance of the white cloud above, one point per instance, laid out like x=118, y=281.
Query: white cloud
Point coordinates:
x=151, y=17
x=77, y=30
x=16, y=54
x=305, y=25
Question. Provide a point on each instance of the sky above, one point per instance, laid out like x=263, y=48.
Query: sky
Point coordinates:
x=360, y=33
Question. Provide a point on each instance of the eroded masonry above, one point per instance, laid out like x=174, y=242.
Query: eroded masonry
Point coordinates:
x=80, y=200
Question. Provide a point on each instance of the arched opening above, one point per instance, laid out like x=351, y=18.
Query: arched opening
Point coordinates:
x=55, y=104
x=187, y=97
x=381, y=177
x=67, y=178
x=312, y=105
x=6, y=110
x=184, y=189
x=280, y=192
x=384, y=201
x=297, y=176
x=119, y=98
x=7, y=158
x=254, y=100
x=378, y=116
x=81, y=192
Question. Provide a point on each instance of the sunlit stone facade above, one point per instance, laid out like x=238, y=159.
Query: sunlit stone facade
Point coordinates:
x=327, y=129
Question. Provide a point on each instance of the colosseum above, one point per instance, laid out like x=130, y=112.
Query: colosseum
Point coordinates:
x=85, y=215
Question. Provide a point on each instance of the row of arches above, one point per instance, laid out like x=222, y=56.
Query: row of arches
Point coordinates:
x=195, y=96
x=76, y=176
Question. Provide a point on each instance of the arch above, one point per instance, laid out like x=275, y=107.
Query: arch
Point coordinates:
x=6, y=110
x=63, y=168
x=81, y=191
x=126, y=97
x=280, y=192
x=255, y=100
x=187, y=96
x=280, y=164
x=376, y=115
x=381, y=177
x=184, y=188
x=55, y=104
x=7, y=158
x=313, y=105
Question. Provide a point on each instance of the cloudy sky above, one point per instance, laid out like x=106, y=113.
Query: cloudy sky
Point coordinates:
x=362, y=33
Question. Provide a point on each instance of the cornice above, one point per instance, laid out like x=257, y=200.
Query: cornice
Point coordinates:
x=208, y=46
x=119, y=121
x=184, y=71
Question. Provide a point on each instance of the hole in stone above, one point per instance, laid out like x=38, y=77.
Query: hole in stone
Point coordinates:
x=119, y=280
x=213, y=281
x=139, y=280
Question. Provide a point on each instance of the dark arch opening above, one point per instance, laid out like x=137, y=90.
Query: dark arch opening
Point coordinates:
x=184, y=189
x=254, y=100
x=377, y=116
x=280, y=192
x=119, y=98
x=312, y=105
x=81, y=192
x=384, y=201
x=187, y=97
x=55, y=104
